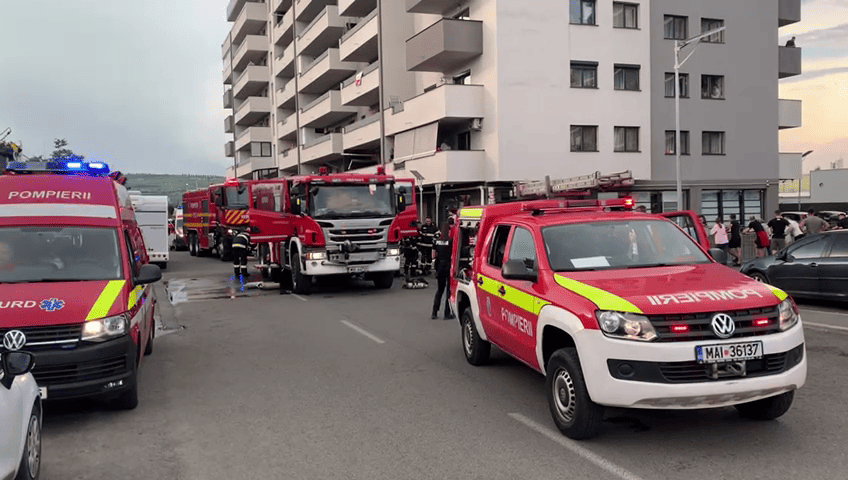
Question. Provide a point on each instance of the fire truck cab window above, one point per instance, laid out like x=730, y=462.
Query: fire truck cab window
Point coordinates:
x=351, y=201
x=498, y=248
x=268, y=197
x=237, y=197
x=523, y=248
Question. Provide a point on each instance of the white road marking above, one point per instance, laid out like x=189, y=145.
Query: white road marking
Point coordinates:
x=587, y=454
x=842, y=314
x=360, y=330
x=299, y=297
x=830, y=327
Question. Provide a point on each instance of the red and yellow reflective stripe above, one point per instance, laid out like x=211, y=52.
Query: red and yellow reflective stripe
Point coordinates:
x=135, y=295
x=106, y=299
x=780, y=294
x=602, y=298
x=513, y=296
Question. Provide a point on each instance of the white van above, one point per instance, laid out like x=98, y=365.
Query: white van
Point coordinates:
x=151, y=213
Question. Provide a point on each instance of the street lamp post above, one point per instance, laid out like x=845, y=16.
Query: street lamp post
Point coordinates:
x=801, y=178
x=678, y=46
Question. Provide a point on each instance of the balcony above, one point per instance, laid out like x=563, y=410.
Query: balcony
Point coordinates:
x=790, y=166
x=245, y=170
x=229, y=124
x=789, y=113
x=228, y=98
x=367, y=92
x=284, y=64
x=356, y=8
x=284, y=97
x=436, y=7
x=790, y=62
x=228, y=71
x=252, y=81
x=251, y=21
x=447, y=104
x=788, y=12
x=325, y=72
x=279, y=6
x=254, y=49
x=322, y=33
x=287, y=159
x=225, y=47
x=284, y=29
x=287, y=128
x=309, y=9
x=234, y=8
x=444, y=46
x=327, y=147
x=362, y=135
x=254, y=134
x=360, y=43
x=229, y=149
x=450, y=166
x=324, y=111
x=252, y=110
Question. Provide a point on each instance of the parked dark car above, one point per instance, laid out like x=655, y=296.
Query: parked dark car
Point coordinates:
x=814, y=266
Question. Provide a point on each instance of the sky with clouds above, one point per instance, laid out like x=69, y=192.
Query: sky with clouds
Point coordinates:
x=138, y=84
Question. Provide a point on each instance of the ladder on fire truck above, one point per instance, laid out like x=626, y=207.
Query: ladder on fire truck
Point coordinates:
x=580, y=186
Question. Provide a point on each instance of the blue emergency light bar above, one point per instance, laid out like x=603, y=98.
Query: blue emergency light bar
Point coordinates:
x=59, y=166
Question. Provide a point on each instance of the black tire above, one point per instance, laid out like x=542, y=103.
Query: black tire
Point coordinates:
x=476, y=349
x=383, y=280
x=219, y=249
x=162, y=265
x=149, y=348
x=128, y=399
x=300, y=283
x=192, y=245
x=30, y=466
x=758, y=277
x=574, y=413
x=767, y=408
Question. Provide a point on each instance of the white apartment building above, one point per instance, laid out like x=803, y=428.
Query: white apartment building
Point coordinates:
x=476, y=94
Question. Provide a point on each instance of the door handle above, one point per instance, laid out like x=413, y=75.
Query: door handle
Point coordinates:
x=502, y=290
x=480, y=281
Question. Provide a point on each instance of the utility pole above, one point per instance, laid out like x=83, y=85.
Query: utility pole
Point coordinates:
x=678, y=46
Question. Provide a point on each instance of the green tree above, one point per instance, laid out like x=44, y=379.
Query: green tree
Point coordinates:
x=62, y=152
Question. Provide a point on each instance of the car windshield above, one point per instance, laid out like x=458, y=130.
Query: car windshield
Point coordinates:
x=350, y=201
x=619, y=244
x=59, y=254
x=237, y=197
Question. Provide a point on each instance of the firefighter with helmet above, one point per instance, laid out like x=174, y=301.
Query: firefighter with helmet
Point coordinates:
x=427, y=235
x=241, y=249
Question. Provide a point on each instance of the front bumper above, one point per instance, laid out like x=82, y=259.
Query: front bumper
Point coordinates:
x=599, y=354
x=90, y=369
x=328, y=267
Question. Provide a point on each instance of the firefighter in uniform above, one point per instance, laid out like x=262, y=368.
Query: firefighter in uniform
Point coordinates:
x=241, y=248
x=443, y=248
x=426, y=236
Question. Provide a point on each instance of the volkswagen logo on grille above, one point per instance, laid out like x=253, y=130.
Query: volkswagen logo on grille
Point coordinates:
x=14, y=340
x=723, y=325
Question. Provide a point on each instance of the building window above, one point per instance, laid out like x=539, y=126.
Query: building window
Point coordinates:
x=712, y=143
x=583, y=12
x=675, y=27
x=626, y=139
x=463, y=15
x=463, y=78
x=626, y=77
x=723, y=203
x=584, y=138
x=708, y=24
x=625, y=15
x=671, y=142
x=669, y=85
x=260, y=149
x=712, y=86
x=584, y=75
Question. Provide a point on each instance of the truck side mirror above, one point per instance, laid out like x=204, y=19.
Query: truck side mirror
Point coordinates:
x=718, y=255
x=148, y=274
x=517, y=270
x=295, y=206
x=401, y=202
x=17, y=363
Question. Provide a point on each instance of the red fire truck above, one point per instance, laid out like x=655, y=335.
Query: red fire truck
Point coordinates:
x=212, y=215
x=339, y=224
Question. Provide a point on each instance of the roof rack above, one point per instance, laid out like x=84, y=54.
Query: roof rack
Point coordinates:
x=575, y=186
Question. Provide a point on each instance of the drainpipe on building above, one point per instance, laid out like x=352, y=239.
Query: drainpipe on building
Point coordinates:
x=233, y=94
x=272, y=83
x=380, y=87
x=296, y=88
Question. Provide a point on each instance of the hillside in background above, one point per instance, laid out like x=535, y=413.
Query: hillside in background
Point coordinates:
x=171, y=185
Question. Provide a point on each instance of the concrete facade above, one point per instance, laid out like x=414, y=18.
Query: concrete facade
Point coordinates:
x=479, y=93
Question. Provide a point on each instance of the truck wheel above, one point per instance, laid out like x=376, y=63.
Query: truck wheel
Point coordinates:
x=31, y=459
x=128, y=400
x=301, y=284
x=384, y=280
x=476, y=349
x=149, y=348
x=574, y=413
x=767, y=408
x=192, y=245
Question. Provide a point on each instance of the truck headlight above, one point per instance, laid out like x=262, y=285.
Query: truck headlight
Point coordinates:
x=629, y=326
x=788, y=314
x=392, y=252
x=104, y=329
x=316, y=255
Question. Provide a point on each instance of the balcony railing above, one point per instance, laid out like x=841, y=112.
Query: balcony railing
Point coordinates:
x=790, y=62
x=444, y=46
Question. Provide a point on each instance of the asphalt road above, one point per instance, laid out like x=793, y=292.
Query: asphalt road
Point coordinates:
x=356, y=383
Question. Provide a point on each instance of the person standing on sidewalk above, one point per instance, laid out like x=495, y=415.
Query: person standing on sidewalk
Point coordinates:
x=778, y=226
x=719, y=233
x=735, y=244
x=813, y=224
x=442, y=251
x=762, y=241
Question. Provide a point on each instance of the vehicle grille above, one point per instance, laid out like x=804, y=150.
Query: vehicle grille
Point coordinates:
x=357, y=235
x=48, y=338
x=700, y=327
x=80, y=372
x=688, y=372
